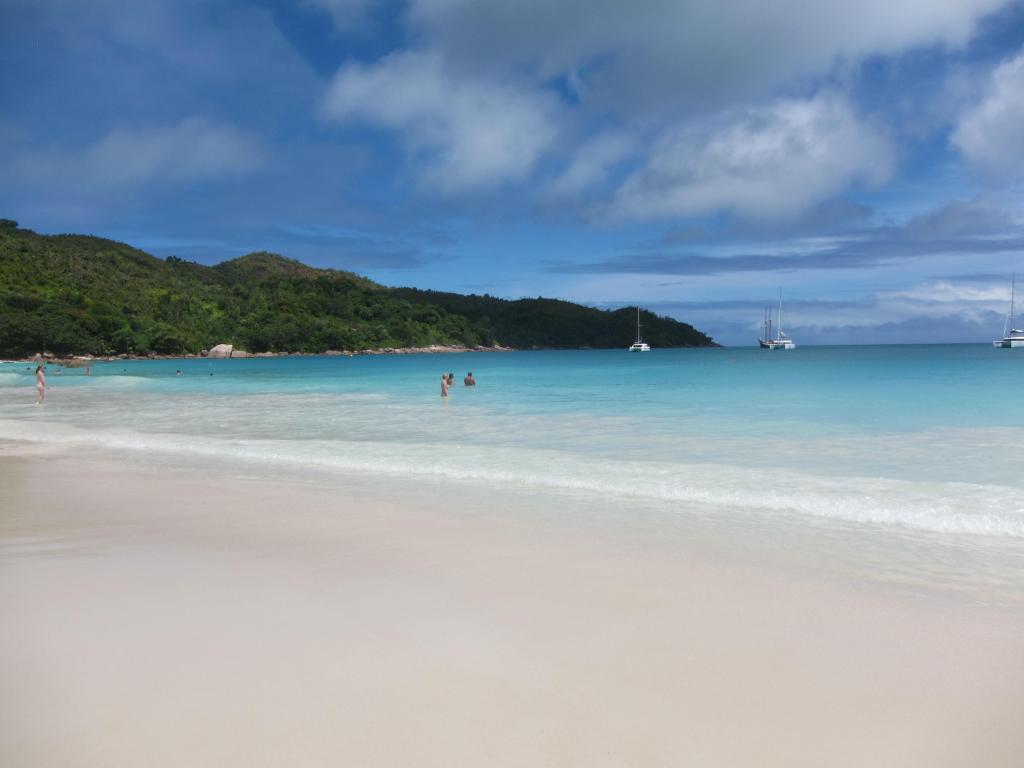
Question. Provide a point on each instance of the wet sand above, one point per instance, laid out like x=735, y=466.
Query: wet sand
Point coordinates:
x=154, y=618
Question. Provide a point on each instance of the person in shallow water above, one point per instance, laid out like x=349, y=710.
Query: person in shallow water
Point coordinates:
x=41, y=383
x=444, y=385
x=469, y=381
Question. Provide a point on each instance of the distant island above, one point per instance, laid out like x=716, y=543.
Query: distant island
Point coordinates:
x=83, y=295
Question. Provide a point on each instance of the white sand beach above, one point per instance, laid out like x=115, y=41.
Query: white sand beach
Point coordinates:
x=153, y=618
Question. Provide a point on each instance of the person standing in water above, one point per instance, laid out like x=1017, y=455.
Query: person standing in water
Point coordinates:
x=444, y=386
x=40, y=383
x=469, y=381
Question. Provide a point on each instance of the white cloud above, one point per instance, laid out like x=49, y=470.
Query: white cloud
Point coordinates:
x=192, y=150
x=344, y=13
x=474, y=105
x=990, y=134
x=657, y=55
x=980, y=216
x=468, y=132
x=979, y=305
x=590, y=164
x=991, y=295
x=768, y=163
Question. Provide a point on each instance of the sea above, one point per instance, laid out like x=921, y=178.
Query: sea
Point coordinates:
x=900, y=466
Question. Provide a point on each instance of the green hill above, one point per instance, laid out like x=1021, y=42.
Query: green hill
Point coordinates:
x=74, y=294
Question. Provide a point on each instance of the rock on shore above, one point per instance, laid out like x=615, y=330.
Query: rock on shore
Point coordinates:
x=220, y=351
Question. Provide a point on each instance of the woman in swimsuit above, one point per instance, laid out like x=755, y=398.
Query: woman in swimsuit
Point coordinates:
x=40, y=383
x=444, y=385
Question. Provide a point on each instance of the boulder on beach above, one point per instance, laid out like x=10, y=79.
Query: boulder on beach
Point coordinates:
x=240, y=353
x=220, y=351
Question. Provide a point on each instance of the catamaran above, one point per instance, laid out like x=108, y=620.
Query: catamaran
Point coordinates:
x=781, y=340
x=1012, y=337
x=639, y=345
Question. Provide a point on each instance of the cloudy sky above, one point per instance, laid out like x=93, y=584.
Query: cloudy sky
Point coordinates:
x=692, y=156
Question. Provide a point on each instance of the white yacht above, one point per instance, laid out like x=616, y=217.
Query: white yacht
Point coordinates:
x=781, y=340
x=639, y=345
x=1012, y=337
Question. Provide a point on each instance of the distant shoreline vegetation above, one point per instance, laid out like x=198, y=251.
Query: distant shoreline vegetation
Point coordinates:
x=83, y=295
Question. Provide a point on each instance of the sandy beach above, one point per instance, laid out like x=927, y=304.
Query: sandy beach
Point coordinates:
x=156, y=618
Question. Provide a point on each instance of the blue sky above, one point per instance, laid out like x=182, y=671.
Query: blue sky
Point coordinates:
x=687, y=155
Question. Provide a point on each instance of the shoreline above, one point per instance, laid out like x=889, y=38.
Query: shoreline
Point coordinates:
x=73, y=361
x=250, y=621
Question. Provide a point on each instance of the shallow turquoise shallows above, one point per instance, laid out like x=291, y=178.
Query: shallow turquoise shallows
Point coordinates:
x=903, y=438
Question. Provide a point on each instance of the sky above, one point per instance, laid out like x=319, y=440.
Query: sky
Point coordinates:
x=694, y=157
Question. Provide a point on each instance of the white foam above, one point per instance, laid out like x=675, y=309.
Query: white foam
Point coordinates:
x=947, y=508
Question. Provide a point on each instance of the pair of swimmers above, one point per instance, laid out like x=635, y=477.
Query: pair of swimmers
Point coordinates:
x=448, y=380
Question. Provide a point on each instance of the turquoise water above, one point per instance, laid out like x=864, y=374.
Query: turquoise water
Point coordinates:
x=905, y=441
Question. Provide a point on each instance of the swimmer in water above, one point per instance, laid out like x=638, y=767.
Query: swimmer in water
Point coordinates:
x=444, y=386
x=41, y=383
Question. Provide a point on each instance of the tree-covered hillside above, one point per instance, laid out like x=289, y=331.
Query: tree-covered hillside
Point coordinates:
x=74, y=294
x=560, y=324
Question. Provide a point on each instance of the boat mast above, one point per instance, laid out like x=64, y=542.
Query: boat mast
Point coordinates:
x=780, y=313
x=638, y=324
x=1013, y=290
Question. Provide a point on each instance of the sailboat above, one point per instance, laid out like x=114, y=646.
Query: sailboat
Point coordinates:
x=781, y=340
x=1012, y=337
x=639, y=345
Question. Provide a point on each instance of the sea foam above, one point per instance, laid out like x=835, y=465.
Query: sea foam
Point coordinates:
x=947, y=508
